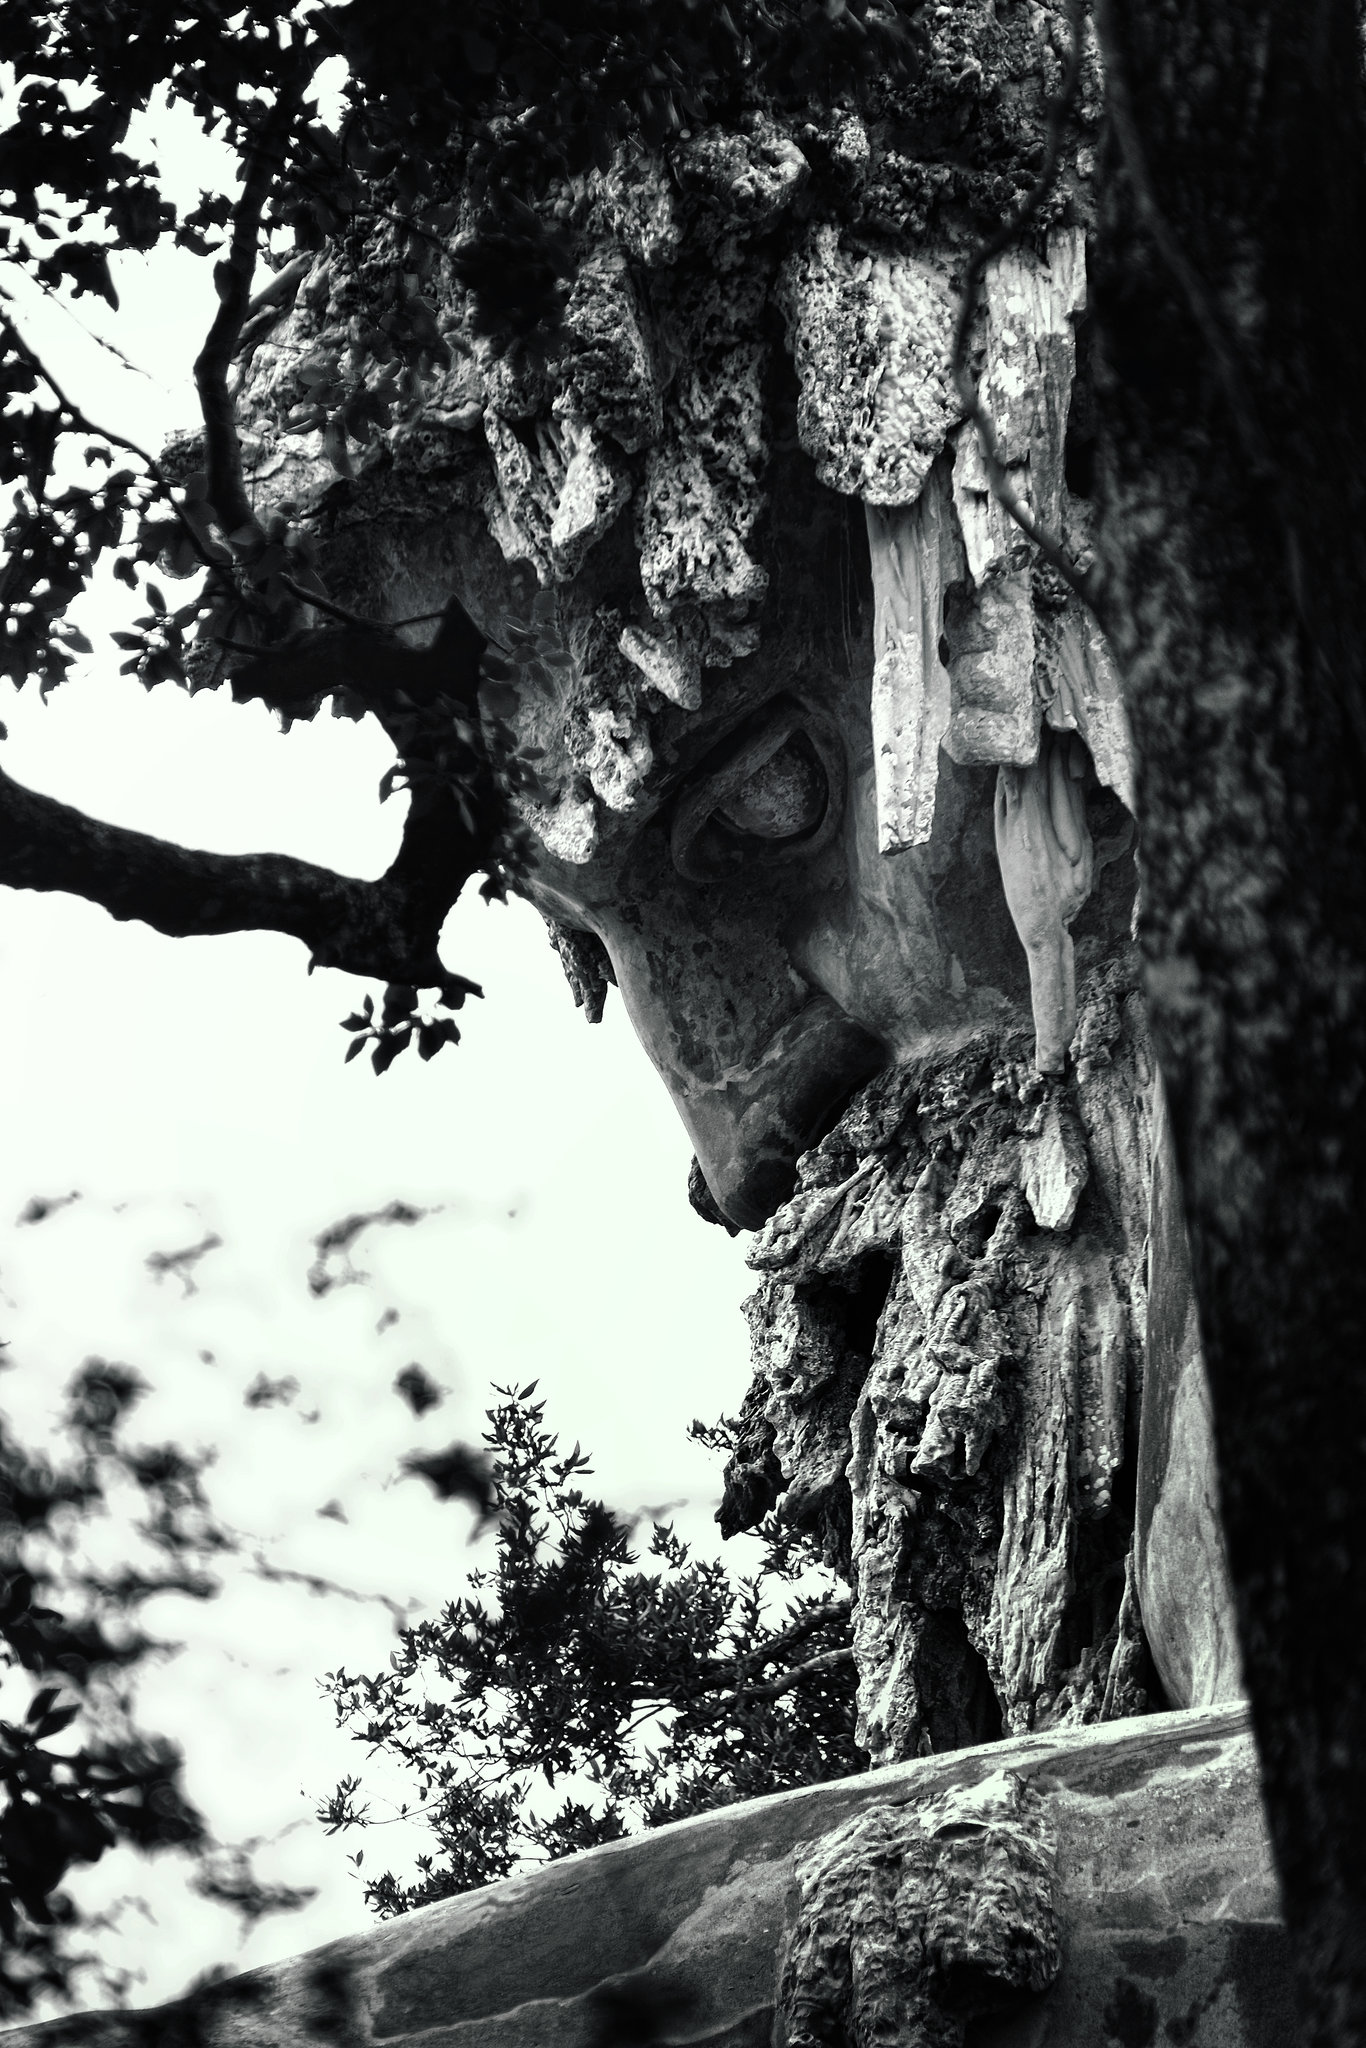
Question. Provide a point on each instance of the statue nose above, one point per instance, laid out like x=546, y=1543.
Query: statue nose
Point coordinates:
x=750, y=1129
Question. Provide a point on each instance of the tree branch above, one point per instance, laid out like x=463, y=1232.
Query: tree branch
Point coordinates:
x=85, y=425
x=730, y=1669
x=227, y=490
x=387, y=929
x=774, y=1688
x=73, y=412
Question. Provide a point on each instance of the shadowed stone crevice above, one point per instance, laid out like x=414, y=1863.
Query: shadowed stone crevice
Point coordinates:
x=952, y=1678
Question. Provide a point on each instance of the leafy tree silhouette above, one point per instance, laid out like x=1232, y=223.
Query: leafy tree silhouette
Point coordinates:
x=660, y=1692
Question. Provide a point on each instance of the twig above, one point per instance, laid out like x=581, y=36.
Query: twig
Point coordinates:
x=322, y=603
x=74, y=413
x=266, y=310
x=85, y=425
x=282, y=281
x=284, y=1575
x=754, y=1660
x=339, y=612
x=49, y=292
x=1048, y=544
x=774, y=1688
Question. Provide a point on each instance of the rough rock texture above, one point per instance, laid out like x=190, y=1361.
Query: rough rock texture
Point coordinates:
x=916, y=556
x=870, y=337
x=1181, y=1564
x=627, y=471
x=1134, y=1853
x=959, y=1280
x=912, y=1920
x=801, y=802
x=982, y=1447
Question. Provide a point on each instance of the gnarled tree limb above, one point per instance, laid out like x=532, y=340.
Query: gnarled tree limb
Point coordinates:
x=388, y=928
x=774, y=1688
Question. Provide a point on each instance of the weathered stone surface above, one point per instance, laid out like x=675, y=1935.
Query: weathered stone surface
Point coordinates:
x=950, y=1354
x=648, y=428
x=1029, y=360
x=990, y=634
x=870, y=337
x=1160, y=1898
x=1086, y=699
x=915, y=556
x=1048, y=868
x=912, y=1920
x=991, y=1439
x=1181, y=1566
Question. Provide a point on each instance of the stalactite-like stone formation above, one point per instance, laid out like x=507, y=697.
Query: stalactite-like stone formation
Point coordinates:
x=657, y=406
x=948, y=1343
x=825, y=239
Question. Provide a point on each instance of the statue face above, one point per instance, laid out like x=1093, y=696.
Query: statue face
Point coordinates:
x=769, y=957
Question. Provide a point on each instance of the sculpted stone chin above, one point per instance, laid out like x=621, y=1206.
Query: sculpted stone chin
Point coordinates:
x=833, y=782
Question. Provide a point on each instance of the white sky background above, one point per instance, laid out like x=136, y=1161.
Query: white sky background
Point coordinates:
x=194, y=1086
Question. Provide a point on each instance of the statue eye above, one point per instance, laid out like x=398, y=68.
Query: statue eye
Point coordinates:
x=783, y=799
x=772, y=792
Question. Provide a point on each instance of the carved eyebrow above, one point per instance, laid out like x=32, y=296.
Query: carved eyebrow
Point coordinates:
x=716, y=779
x=723, y=745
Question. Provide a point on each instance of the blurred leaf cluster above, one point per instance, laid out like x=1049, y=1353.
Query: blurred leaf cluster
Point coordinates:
x=402, y=1021
x=79, y=1774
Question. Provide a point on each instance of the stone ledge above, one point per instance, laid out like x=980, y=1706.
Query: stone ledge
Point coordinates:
x=1167, y=1913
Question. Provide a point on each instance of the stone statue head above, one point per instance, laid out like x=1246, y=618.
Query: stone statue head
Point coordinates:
x=823, y=752
x=827, y=769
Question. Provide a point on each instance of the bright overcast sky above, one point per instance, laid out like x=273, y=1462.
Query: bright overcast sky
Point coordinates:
x=196, y=1087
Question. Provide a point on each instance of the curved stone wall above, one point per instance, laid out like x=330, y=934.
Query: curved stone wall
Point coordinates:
x=1081, y=1889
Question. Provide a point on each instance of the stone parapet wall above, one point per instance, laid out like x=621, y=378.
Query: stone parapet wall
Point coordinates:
x=1069, y=1890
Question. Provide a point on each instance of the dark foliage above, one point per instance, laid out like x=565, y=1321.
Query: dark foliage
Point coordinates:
x=417, y=1387
x=658, y=1692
